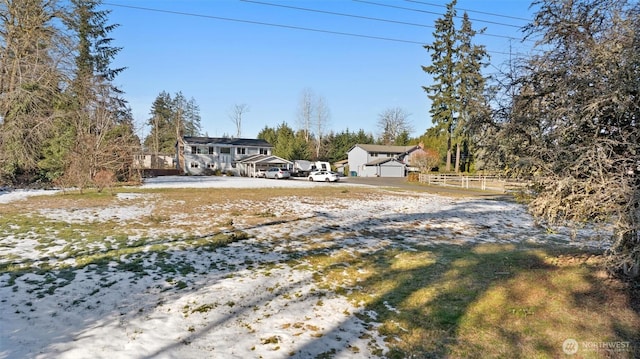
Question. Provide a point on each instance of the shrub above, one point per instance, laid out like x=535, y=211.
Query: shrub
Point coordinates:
x=426, y=160
x=104, y=179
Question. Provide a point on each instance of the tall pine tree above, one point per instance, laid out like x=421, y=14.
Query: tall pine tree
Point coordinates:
x=171, y=118
x=457, y=92
x=473, y=107
x=444, y=101
x=99, y=118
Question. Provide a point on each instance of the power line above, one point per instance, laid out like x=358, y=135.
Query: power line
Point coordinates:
x=337, y=13
x=266, y=24
x=468, y=10
x=291, y=27
x=432, y=12
x=363, y=17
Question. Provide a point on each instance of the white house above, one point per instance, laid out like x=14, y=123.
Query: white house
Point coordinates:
x=380, y=160
x=203, y=155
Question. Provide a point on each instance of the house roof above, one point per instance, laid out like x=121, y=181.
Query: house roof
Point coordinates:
x=264, y=159
x=226, y=141
x=380, y=161
x=385, y=148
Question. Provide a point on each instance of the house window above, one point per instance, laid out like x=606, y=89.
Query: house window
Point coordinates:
x=225, y=150
x=194, y=165
x=374, y=154
x=194, y=149
x=241, y=151
x=264, y=151
x=211, y=165
x=210, y=150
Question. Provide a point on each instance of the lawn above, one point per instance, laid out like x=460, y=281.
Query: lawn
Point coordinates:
x=329, y=270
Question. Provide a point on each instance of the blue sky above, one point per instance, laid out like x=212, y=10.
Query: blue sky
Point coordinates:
x=227, y=52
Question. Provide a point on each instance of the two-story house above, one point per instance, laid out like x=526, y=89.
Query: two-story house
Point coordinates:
x=380, y=160
x=203, y=155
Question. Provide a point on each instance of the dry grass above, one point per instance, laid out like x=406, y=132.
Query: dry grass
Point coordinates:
x=487, y=300
x=440, y=301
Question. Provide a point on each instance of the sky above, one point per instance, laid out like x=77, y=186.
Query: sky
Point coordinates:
x=362, y=57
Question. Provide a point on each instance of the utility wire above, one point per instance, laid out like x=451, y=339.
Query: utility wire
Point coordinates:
x=291, y=27
x=432, y=12
x=336, y=13
x=265, y=24
x=363, y=17
x=468, y=10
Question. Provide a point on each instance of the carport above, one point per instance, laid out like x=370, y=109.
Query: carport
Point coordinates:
x=251, y=165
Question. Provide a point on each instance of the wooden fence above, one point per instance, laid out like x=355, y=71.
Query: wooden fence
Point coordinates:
x=484, y=183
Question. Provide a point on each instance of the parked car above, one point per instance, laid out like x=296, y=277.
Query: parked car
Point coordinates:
x=277, y=173
x=260, y=174
x=327, y=176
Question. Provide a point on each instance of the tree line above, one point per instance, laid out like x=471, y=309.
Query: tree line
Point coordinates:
x=175, y=116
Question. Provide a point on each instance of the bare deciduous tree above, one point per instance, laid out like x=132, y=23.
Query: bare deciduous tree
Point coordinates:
x=305, y=112
x=313, y=119
x=322, y=115
x=235, y=114
x=392, y=122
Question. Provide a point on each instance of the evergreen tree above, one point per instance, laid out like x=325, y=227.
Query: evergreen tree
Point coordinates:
x=29, y=83
x=402, y=139
x=171, y=118
x=268, y=134
x=99, y=118
x=458, y=88
x=363, y=138
x=340, y=143
x=161, y=138
x=444, y=100
x=473, y=107
x=284, y=146
x=186, y=113
x=573, y=126
x=301, y=147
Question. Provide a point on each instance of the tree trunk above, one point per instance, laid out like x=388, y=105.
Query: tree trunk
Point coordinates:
x=448, y=154
x=625, y=254
x=457, y=157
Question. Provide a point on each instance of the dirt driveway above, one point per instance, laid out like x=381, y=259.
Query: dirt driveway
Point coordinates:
x=402, y=183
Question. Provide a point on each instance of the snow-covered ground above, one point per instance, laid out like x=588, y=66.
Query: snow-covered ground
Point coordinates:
x=245, y=300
